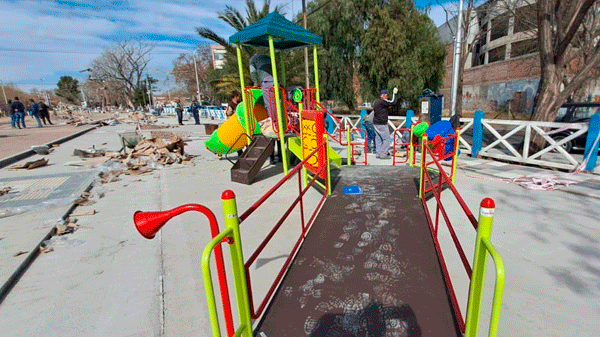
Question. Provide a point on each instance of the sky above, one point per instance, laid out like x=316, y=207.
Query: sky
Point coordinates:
x=46, y=39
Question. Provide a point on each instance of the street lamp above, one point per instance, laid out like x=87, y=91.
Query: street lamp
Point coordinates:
x=4, y=92
x=84, y=104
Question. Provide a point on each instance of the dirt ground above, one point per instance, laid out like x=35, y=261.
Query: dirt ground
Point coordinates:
x=13, y=141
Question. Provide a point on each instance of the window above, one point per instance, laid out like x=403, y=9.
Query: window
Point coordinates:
x=499, y=27
x=497, y=54
x=584, y=112
x=561, y=113
x=525, y=18
x=524, y=47
x=219, y=57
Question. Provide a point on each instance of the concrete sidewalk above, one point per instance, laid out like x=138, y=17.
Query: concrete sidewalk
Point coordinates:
x=106, y=280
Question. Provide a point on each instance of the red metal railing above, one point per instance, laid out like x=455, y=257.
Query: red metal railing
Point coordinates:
x=427, y=184
x=437, y=152
x=305, y=225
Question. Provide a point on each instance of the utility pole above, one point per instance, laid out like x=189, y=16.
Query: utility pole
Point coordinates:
x=149, y=90
x=305, y=48
x=456, y=59
x=197, y=82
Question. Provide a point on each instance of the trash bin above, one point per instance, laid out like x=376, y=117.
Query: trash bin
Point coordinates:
x=209, y=128
x=430, y=105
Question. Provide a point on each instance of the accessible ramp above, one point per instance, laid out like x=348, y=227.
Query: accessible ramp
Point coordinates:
x=368, y=265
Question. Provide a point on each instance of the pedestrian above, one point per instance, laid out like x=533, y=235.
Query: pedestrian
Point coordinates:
x=236, y=98
x=18, y=110
x=195, y=109
x=381, y=109
x=179, y=111
x=11, y=114
x=368, y=123
x=45, y=113
x=34, y=110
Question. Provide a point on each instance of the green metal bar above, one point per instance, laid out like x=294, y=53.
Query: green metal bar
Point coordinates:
x=484, y=232
x=411, y=149
x=326, y=141
x=423, y=162
x=237, y=261
x=280, y=119
x=240, y=331
x=455, y=159
x=498, y=288
x=348, y=147
x=208, y=286
x=243, y=86
x=316, y=67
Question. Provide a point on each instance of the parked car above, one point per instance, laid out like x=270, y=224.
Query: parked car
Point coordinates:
x=575, y=113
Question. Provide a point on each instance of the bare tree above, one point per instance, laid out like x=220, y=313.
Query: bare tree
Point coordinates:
x=184, y=72
x=122, y=65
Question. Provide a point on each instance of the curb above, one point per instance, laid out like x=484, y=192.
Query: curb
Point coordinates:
x=14, y=278
x=28, y=153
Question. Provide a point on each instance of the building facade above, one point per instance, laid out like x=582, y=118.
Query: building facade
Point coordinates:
x=218, y=55
x=502, y=71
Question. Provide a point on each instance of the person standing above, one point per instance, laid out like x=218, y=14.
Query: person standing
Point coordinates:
x=236, y=98
x=195, y=109
x=368, y=123
x=381, y=110
x=18, y=110
x=11, y=114
x=34, y=111
x=44, y=113
x=179, y=111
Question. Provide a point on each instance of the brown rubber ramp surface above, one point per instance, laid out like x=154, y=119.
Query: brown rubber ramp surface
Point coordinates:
x=368, y=266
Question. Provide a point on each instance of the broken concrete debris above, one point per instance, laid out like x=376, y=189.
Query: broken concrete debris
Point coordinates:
x=30, y=165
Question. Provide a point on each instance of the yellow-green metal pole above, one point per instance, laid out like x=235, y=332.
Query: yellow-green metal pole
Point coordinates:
x=411, y=149
x=483, y=243
x=237, y=261
x=423, y=168
x=328, y=183
x=316, y=66
x=243, y=86
x=455, y=159
x=304, y=171
x=348, y=147
x=280, y=117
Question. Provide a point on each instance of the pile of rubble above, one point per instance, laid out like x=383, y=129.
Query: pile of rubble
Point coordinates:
x=147, y=155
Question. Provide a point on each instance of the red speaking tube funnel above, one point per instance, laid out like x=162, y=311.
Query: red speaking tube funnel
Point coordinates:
x=149, y=223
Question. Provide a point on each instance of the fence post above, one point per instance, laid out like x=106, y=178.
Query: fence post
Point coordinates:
x=330, y=123
x=237, y=261
x=591, y=142
x=409, y=118
x=477, y=138
x=484, y=231
x=423, y=165
x=363, y=113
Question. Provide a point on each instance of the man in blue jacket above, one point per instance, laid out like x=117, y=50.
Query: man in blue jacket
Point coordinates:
x=34, y=110
x=381, y=111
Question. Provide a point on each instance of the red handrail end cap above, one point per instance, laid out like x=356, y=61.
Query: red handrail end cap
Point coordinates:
x=228, y=195
x=488, y=203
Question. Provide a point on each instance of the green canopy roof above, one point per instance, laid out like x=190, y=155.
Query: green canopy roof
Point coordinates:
x=286, y=34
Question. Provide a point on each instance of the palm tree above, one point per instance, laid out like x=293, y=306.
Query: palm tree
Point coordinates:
x=229, y=80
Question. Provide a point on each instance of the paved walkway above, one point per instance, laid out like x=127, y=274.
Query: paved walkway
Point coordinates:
x=106, y=280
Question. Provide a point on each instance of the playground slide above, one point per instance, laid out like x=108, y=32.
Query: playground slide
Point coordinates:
x=295, y=146
x=229, y=135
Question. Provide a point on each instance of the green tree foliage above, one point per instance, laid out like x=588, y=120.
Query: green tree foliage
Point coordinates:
x=401, y=49
x=68, y=89
x=385, y=44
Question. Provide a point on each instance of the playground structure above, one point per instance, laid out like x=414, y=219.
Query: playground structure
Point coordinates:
x=368, y=259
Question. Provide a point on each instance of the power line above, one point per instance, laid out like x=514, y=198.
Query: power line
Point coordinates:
x=312, y=12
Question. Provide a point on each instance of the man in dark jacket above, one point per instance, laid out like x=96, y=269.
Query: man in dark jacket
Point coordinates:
x=381, y=111
x=18, y=110
x=44, y=113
